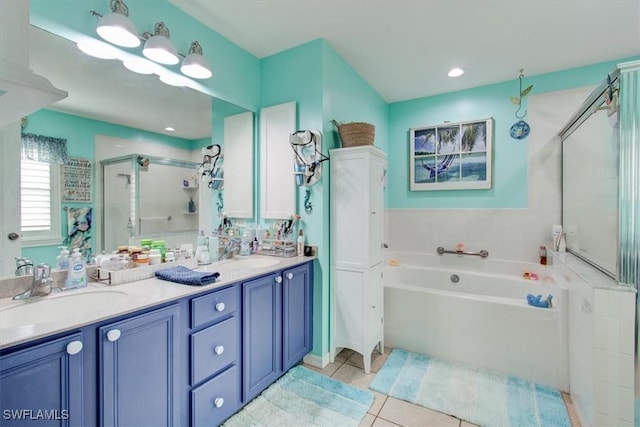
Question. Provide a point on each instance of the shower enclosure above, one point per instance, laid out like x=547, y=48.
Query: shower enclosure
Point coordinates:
x=147, y=197
x=601, y=216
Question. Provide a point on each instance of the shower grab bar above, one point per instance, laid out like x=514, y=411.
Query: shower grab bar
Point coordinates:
x=483, y=253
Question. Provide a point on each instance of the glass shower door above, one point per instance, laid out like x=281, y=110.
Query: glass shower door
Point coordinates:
x=118, y=192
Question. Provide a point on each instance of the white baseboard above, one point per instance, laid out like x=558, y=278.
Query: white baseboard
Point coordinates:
x=317, y=361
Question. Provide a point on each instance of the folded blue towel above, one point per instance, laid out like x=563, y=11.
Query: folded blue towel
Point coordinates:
x=186, y=276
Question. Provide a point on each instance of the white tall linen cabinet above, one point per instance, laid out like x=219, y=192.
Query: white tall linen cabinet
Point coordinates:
x=358, y=177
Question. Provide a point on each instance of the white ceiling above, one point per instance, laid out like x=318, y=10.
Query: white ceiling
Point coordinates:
x=404, y=48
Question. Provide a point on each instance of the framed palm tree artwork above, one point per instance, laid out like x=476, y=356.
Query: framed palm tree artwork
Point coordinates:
x=451, y=156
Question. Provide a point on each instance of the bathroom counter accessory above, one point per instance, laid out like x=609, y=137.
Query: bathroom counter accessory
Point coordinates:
x=483, y=253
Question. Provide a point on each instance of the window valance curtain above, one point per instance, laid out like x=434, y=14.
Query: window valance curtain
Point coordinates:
x=45, y=149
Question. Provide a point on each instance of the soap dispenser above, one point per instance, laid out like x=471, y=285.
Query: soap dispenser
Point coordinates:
x=77, y=275
x=62, y=260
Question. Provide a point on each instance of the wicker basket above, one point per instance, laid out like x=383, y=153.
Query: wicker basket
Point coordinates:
x=356, y=133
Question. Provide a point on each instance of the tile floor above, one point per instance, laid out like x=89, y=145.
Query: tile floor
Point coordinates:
x=387, y=411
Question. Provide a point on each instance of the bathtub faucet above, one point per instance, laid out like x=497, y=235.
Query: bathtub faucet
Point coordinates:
x=483, y=253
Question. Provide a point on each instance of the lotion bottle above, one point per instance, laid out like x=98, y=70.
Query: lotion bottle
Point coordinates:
x=300, y=245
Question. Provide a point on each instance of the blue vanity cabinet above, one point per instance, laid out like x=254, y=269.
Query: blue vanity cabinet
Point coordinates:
x=42, y=385
x=277, y=313
x=214, y=344
x=139, y=363
x=297, y=310
x=261, y=333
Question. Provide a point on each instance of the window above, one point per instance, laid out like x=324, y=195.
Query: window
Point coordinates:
x=40, y=203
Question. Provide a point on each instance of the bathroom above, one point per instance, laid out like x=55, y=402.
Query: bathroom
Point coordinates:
x=517, y=212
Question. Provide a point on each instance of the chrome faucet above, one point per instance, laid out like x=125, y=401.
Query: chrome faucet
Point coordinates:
x=41, y=284
x=24, y=266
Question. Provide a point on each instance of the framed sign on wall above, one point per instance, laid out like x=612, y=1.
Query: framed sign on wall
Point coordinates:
x=451, y=156
x=76, y=176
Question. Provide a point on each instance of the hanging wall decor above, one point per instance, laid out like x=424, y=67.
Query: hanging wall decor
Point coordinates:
x=76, y=180
x=78, y=230
x=520, y=129
x=451, y=156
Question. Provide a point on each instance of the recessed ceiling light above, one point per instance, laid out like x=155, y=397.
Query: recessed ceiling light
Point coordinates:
x=455, y=72
x=169, y=129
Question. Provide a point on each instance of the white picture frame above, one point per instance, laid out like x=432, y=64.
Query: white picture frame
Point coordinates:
x=451, y=156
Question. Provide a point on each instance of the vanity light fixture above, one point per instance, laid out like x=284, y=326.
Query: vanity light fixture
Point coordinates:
x=140, y=65
x=174, y=80
x=97, y=49
x=455, y=72
x=158, y=47
x=194, y=65
x=117, y=28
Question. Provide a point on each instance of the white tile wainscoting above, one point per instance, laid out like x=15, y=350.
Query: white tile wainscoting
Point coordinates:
x=601, y=339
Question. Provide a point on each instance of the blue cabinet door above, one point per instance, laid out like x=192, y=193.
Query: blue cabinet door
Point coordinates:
x=42, y=385
x=261, y=334
x=139, y=370
x=297, y=314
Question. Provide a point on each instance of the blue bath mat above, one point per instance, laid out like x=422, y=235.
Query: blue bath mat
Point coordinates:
x=305, y=398
x=475, y=395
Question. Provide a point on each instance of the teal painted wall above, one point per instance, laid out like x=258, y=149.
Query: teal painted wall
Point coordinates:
x=80, y=134
x=324, y=87
x=348, y=98
x=296, y=75
x=236, y=72
x=510, y=155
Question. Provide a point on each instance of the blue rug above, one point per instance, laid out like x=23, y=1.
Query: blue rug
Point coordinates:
x=475, y=395
x=305, y=398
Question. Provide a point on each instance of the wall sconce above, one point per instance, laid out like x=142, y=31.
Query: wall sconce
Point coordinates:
x=117, y=28
x=194, y=65
x=158, y=47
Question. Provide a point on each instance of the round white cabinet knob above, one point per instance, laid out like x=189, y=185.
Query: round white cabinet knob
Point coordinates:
x=74, y=347
x=278, y=279
x=289, y=276
x=218, y=402
x=218, y=350
x=113, y=335
x=220, y=306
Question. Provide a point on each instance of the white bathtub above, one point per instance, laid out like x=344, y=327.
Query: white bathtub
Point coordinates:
x=483, y=320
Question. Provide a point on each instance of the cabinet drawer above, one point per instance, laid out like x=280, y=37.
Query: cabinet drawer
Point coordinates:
x=214, y=306
x=214, y=348
x=217, y=399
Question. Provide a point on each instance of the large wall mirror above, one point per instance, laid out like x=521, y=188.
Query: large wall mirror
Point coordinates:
x=104, y=90
x=590, y=149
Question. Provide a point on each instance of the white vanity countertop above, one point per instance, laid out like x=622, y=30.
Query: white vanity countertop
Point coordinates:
x=41, y=320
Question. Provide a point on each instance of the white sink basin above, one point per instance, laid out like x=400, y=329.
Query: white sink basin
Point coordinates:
x=250, y=263
x=67, y=305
